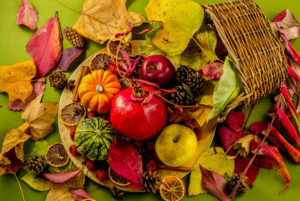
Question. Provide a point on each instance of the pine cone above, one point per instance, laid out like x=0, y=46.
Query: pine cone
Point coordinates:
x=191, y=78
x=76, y=39
x=183, y=96
x=242, y=187
x=151, y=181
x=70, y=84
x=58, y=79
x=118, y=194
x=36, y=165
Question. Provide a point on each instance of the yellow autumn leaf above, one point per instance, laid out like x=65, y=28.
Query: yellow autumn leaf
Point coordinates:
x=179, y=20
x=101, y=20
x=40, y=117
x=12, y=154
x=15, y=80
x=195, y=187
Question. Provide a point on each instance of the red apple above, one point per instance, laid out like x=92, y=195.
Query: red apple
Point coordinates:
x=158, y=69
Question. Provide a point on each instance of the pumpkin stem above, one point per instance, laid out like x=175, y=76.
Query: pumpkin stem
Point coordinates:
x=138, y=91
x=99, y=89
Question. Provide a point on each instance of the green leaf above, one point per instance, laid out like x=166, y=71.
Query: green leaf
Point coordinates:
x=179, y=20
x=214, y=159
x=195, y=186
x=39, y=149
x=38, y=184
x=202, y=51
x=226, y=90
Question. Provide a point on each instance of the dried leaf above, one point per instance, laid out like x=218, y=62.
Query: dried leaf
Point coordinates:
x=12, y=153
x=38, y=89
x=289, y=48
x=201, y=115
x=68, y=56
x=286, y=23
x=226, y=90
x=176, y=32
x=16, y=80
x=243, y=145
x=80, y=194
x=125, y=160
x=227, y=137
x=278, y=163
x=101, y=20
x=58, y=178
x=27, y=15
x=45, y=46
x=39, y=149
x=40, y=116
x=214, y=159
x=213, y=70
x=59, y=194
x=240, y=165
x=36, y=183
x=215, y=184
x=195, y=186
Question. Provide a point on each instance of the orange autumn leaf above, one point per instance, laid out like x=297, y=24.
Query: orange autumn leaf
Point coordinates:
x=12, y=154
x=15, y=80
x=40, y=117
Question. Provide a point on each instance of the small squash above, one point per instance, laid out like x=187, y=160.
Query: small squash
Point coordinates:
x=93, y=137
x=96, y=90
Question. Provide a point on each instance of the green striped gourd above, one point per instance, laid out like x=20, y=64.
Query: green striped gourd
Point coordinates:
x=93, y=137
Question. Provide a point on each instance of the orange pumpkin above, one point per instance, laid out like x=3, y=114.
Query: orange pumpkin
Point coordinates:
x=96, y=90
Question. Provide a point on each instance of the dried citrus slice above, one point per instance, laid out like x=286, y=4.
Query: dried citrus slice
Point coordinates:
x=172, y=188
x=117, y=179
x=56, y=155
x=99, y=61
x=72, y=114
x=112, y=48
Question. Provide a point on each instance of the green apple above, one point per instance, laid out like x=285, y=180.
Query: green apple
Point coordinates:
x=176, y=145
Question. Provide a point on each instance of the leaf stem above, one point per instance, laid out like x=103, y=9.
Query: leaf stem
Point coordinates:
x=248, y=117
x=20, y=187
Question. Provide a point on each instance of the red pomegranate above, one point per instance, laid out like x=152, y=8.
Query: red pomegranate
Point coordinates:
x=138, y=118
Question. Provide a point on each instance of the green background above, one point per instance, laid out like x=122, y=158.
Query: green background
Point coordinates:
x=13, y=39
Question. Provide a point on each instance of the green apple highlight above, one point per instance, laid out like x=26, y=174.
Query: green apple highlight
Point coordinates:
x=176, y=145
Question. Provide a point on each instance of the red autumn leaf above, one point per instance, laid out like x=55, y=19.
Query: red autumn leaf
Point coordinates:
x=80, y=194
x=215, y=184
x=240, y=165
x=38, y=89
x=45, y=46
x=227, y=137
x=258, y=127
x=26, y=15
x=236, y=120
x=287, y=24
x=278, y=163
x=58, y=178
x=213, y=70
x=290, y=49
x=286, y=94
x=293, y=74
x=68, y=56
x=125, y=160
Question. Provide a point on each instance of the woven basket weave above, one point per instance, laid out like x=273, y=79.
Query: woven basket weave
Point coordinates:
x=252, y=45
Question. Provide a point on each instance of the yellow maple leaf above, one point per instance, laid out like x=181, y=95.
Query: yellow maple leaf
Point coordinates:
x=40, y=117
x=16, y=80
x=12, y=154
x=179, y=19
x=101, y=20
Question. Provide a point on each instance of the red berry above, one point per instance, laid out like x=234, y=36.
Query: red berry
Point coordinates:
x=73, y=150
x=91, y=114
x=72, y=132
x=90, y=165
x=101, y=175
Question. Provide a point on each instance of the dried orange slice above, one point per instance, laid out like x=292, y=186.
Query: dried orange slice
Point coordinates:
x=172, y=188
x=56, y=155
x=72, y=114
x=99, y=61
x=112, y=48
x=117, y=179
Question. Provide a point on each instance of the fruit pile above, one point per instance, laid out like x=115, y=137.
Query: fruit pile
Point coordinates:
x=123, y=101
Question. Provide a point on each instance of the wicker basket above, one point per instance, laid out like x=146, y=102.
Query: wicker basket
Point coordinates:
x=253, y=47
